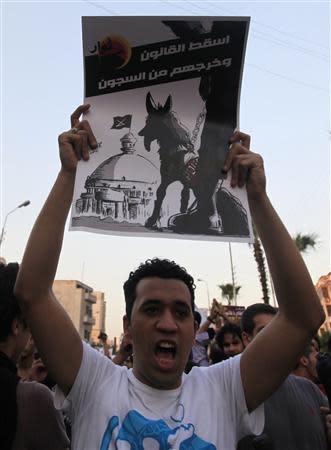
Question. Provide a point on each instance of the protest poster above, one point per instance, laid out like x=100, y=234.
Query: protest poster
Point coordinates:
x=164, y=95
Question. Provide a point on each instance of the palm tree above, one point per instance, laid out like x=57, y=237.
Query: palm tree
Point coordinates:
x=261, y=266
x=305, y=241
x=229, y=291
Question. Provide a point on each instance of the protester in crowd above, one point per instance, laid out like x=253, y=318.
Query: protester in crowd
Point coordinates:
x=293, y=418
x=36, y=372
x=198, y=355
x=217, y=317
x=28, y=419
x=229, y=340
x=306, y=366
x=211, y=407
x=124, y=353
x=205, y=334
x=216, y=355
x=25, y=360
x=30, y=366
x=105, y=347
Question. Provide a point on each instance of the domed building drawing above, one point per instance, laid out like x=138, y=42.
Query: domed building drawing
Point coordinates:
x=122, y=187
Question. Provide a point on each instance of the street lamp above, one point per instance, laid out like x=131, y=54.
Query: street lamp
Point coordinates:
x=26, y=203
x=208, y=296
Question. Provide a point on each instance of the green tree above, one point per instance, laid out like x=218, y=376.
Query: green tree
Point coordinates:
x=228, y=293
x=304, y=242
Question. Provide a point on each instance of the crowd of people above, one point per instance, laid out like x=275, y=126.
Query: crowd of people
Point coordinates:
x=192, y=385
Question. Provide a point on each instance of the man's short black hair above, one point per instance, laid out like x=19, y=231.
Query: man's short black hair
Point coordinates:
x=227, y=328
x=247, y=319
x=9, y=307
x=161, y=268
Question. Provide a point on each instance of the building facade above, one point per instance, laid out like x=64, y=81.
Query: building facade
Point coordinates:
x=78, y=300
x=323, y=288
x=99, y=315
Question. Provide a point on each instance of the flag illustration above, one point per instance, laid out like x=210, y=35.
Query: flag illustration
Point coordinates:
x=122, y=122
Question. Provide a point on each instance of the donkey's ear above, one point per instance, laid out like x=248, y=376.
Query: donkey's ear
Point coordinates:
x=150, y=104
x=168, y=104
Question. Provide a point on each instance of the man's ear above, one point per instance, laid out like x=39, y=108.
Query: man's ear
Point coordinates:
x=126, y=325
x=304, y=361
x=246, y=338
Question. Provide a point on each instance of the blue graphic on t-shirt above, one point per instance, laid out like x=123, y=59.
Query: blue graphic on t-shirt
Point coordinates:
x=106, y=440
x=136, y=428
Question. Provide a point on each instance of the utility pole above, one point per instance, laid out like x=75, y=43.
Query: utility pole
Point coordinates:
x=232, y=274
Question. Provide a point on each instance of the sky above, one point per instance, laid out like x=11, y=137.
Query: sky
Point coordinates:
x=285, y=106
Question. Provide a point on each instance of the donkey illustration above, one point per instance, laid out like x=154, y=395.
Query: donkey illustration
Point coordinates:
x=178, y=162
x=174, y=143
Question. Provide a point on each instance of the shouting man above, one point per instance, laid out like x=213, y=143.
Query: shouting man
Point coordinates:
x=155, y=405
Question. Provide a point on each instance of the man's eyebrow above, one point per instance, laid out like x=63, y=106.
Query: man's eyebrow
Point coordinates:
x=182, y=303
x=154, y=301
x=151, y=301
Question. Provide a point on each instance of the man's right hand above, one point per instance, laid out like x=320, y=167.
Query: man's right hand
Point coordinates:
x=215, y=310
x=75, y=143
x=246, y=167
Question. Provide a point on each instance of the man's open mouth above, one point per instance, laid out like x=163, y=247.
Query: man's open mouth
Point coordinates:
x=165, y=352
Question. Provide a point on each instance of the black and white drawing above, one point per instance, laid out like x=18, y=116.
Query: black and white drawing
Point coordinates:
x=164, y=104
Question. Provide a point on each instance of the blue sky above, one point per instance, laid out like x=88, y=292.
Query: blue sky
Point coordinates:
x=285, y=106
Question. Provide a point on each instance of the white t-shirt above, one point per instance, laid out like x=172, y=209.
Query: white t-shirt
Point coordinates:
x=111, y=409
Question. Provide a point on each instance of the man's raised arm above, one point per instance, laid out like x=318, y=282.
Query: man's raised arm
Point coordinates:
x=271, y=356
x=55, y=336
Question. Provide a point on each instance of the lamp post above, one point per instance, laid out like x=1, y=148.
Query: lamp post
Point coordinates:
x=208, y=296
x=26, y=203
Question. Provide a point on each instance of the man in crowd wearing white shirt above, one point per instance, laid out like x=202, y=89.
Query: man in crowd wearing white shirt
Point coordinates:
x=155, y=405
